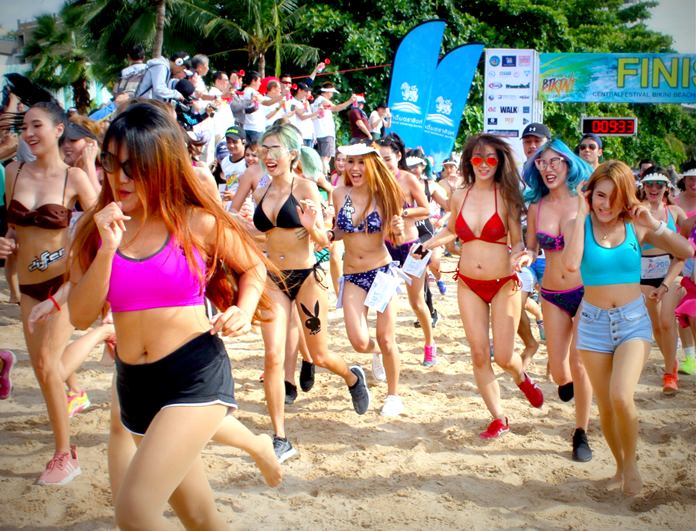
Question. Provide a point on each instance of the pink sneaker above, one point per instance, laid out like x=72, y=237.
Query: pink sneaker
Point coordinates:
x=62, y=469
x=9, y=360
x=429, y=355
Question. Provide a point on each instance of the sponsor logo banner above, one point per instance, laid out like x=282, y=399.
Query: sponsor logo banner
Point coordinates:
x=618, y=77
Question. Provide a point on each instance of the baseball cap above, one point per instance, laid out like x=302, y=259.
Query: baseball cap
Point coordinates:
x=594, y=137
x=537, y=129
x=451, y=161
x=235, y=132
x=75, y=131
x=185, y=88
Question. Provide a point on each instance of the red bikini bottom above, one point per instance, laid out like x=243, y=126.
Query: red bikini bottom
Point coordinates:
x=487, y=289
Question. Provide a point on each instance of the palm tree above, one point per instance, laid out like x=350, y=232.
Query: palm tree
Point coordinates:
x=57, y=58
x=266, y=25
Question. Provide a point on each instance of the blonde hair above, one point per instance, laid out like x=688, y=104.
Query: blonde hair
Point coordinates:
x=624, y=193
x=383, y=189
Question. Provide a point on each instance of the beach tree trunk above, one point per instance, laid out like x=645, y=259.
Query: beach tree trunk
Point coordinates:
x=160, y=6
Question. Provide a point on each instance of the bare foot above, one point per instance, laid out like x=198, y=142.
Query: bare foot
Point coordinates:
x=632, y=483
x=265, y=458
x=528, y=354
x=615, y=482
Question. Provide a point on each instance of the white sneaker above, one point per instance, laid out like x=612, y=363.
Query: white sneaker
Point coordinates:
x=378, y=368
x=393, y=406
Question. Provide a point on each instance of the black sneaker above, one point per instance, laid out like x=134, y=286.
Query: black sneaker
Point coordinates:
x=436, y=317
x=290, y=393
x=283, y=449
x=566, y=392
x=307, y=376
x=359, y=392
x=581, y=448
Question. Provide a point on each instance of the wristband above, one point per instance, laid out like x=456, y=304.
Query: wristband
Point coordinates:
x=54, y=301
x=404, y=214
x=331, y=235
x=662, y=227
x=665, y=285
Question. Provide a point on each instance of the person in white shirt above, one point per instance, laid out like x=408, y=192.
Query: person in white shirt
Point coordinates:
x=302, y=117
x=324, y=125
x=379, y=119
x=223, y=115
x=279, y=109
x=233, y=165
x=255, y=122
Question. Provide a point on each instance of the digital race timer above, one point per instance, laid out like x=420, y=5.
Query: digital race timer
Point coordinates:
x=607, y=126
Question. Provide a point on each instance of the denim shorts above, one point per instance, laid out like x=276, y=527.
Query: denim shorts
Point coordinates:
x=603, y=330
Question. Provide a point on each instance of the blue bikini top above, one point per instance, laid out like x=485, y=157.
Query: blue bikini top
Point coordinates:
x=344, y=219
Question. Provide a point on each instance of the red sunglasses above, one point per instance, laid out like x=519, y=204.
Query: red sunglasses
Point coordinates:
x=490, y=161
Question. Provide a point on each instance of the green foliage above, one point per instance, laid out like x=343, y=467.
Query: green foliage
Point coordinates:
x=362, y=36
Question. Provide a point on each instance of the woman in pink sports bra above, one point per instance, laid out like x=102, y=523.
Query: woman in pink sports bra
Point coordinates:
x=40, y=198
x=487, y=220
x=153, y=258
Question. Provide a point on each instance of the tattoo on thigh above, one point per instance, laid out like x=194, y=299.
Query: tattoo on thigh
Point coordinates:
x=46, y=258
x=313, y=323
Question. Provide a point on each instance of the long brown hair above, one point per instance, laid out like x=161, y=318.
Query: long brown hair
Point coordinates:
x=506, y=174
x=624, y=193
x=382, y=189
x=168, y=188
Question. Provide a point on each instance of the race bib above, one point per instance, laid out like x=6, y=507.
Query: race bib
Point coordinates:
x=654, y=266
x=381, y=291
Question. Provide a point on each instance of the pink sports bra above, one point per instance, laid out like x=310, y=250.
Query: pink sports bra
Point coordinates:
x=162, y=280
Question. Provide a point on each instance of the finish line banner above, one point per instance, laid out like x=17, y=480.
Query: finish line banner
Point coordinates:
x=618, y=77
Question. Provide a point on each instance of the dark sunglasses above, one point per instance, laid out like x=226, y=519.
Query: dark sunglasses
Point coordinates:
x=584, y=147
x=490, y=161
x=110, y=163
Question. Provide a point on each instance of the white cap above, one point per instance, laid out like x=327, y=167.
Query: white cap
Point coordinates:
x=414, y=161
x=329, y=89
x=356, y=150
x=655, y=178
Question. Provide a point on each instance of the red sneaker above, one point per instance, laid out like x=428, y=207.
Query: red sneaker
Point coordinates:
x=495, y=429
x=669, y=384
x=532, y=391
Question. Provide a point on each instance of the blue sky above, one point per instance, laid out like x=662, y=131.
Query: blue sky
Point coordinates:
x=674, y=17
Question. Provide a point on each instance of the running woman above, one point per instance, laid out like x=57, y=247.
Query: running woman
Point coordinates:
x=149, y=255
x=369, y=213
x=614, y=333
x=551, y=176
x=288, y=211
x=490, y=205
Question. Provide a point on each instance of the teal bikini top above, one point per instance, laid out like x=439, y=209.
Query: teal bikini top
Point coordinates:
x=671, y=225
x=602, y=266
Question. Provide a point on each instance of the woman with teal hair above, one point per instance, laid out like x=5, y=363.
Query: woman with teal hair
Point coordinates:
x=552, y=174
x=288, y=211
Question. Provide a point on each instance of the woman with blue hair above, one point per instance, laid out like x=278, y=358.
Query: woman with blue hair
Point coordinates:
x=552, y=175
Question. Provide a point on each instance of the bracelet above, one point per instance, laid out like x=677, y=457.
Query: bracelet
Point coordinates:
x=404, y=213
x=662, y=227
x=54, y=301
x=665, y=285
x=331, y=235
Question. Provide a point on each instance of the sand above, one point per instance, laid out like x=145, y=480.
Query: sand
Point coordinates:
x=427, y=469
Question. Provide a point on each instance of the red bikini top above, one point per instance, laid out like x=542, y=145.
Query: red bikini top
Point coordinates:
x=492, y=231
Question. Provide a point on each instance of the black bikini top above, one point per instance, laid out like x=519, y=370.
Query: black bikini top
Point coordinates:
x=48, y=216
x=287, y=217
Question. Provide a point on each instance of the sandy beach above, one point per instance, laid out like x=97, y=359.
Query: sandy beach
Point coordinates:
x=427, y=469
